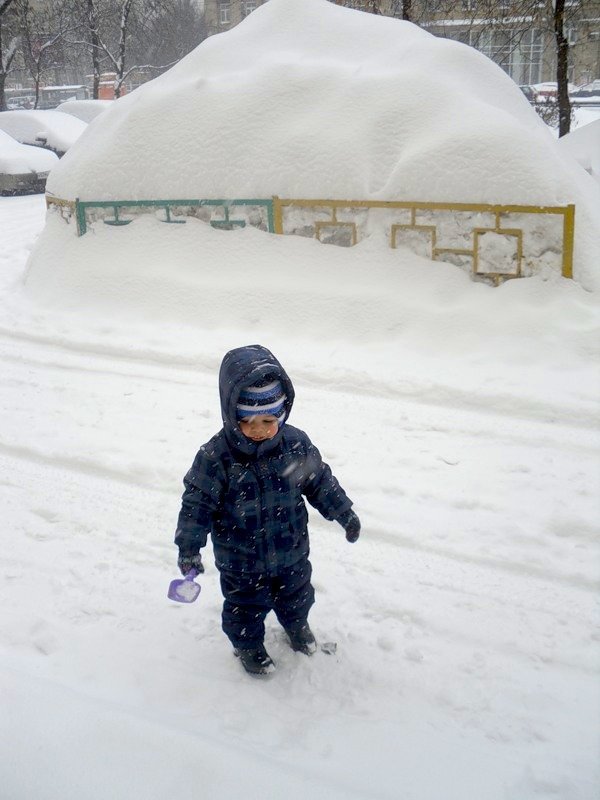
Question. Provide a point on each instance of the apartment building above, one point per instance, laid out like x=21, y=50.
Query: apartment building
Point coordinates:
x=516, y=34
x=519, y=34
x=221, y=15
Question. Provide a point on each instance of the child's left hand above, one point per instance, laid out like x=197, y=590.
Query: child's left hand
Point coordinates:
x=351, y=524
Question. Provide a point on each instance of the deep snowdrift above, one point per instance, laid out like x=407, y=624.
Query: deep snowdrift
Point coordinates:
x=308, y=99
x=195, y=276
x=583, y=144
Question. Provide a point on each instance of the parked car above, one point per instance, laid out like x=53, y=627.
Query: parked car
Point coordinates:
x=85, y=110
x=588, y=93
x=529, y=92
x=52, y=130
x=543, y=92
x=13, y=103
x=23, y=169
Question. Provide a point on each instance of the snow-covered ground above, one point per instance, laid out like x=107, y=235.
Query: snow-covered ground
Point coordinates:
x=461, y=419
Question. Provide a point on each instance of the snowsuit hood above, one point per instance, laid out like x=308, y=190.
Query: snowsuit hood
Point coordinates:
x=242, y=367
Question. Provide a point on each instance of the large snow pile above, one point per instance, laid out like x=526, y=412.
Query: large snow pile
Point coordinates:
x=308, y=99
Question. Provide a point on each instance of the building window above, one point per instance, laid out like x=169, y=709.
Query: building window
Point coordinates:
x=571, y=34
x=249, y=6
x=225, y=13
x=519, y=53
x=527, y=63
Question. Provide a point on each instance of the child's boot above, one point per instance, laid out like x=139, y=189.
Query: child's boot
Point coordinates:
x=255, y=660
x=302, y=639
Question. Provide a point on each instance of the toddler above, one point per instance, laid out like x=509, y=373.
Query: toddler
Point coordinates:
x=246, y=488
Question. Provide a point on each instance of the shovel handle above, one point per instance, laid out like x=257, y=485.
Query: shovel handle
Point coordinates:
x=191, y=575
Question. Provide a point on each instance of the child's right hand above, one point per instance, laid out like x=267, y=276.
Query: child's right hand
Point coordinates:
x=188, y=563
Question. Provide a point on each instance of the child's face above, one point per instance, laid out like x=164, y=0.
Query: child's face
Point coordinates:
x=259, y=428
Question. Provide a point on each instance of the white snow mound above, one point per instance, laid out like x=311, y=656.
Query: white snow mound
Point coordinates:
x=583, y=144
x=308, y=99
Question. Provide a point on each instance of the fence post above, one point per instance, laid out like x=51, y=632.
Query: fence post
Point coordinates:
x=277, y=215
x=80, y=216
x=568, y=241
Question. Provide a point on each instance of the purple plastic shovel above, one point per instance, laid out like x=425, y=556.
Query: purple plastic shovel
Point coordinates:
x=184, y=590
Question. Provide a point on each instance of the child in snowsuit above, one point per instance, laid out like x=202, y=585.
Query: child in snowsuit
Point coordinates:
x=246, y=488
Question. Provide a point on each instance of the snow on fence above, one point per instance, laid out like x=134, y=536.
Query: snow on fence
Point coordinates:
x=491, y=242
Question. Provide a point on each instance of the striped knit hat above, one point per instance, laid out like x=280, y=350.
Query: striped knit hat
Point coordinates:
x=263, y=397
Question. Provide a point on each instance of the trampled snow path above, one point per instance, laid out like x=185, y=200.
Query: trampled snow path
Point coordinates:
x=466, y=616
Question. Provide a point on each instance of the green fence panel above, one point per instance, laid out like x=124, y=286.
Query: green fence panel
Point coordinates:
x=117, y=206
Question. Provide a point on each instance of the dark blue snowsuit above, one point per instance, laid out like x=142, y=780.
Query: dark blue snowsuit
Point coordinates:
x=250, y=497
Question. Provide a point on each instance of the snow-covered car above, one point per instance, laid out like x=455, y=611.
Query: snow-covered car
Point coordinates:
x=543, y=92
x=589, y=93
x=14, y=103
x=529, y=92
x=23, y=169
x=52, y=130
x=85, y=110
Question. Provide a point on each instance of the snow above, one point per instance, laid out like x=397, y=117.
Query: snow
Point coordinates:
x=85, y=110
x=187, y=591
x=325, y=101
x=18, y=159
x=583, y=144
x=306, y=99
x=462, y=420
x=53, y=129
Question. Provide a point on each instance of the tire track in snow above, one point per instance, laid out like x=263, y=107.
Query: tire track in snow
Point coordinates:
x=86, y=369
x=432, y=394
x=89, y=467
x=468, y=430
x=513, y=567
x=84, y=466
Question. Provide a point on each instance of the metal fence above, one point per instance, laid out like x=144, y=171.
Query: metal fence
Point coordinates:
x=491, y=241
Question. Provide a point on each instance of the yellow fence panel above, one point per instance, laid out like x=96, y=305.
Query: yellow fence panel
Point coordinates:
x=492, y=242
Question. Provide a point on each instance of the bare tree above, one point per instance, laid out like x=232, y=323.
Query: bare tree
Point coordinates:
x=115, y=35
x=118, y=58
x=92, y=40
x=562, y=67
x=172, y=30
x=513, y=33
x=9, y=42
x=98, y=38
x=42, y=30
